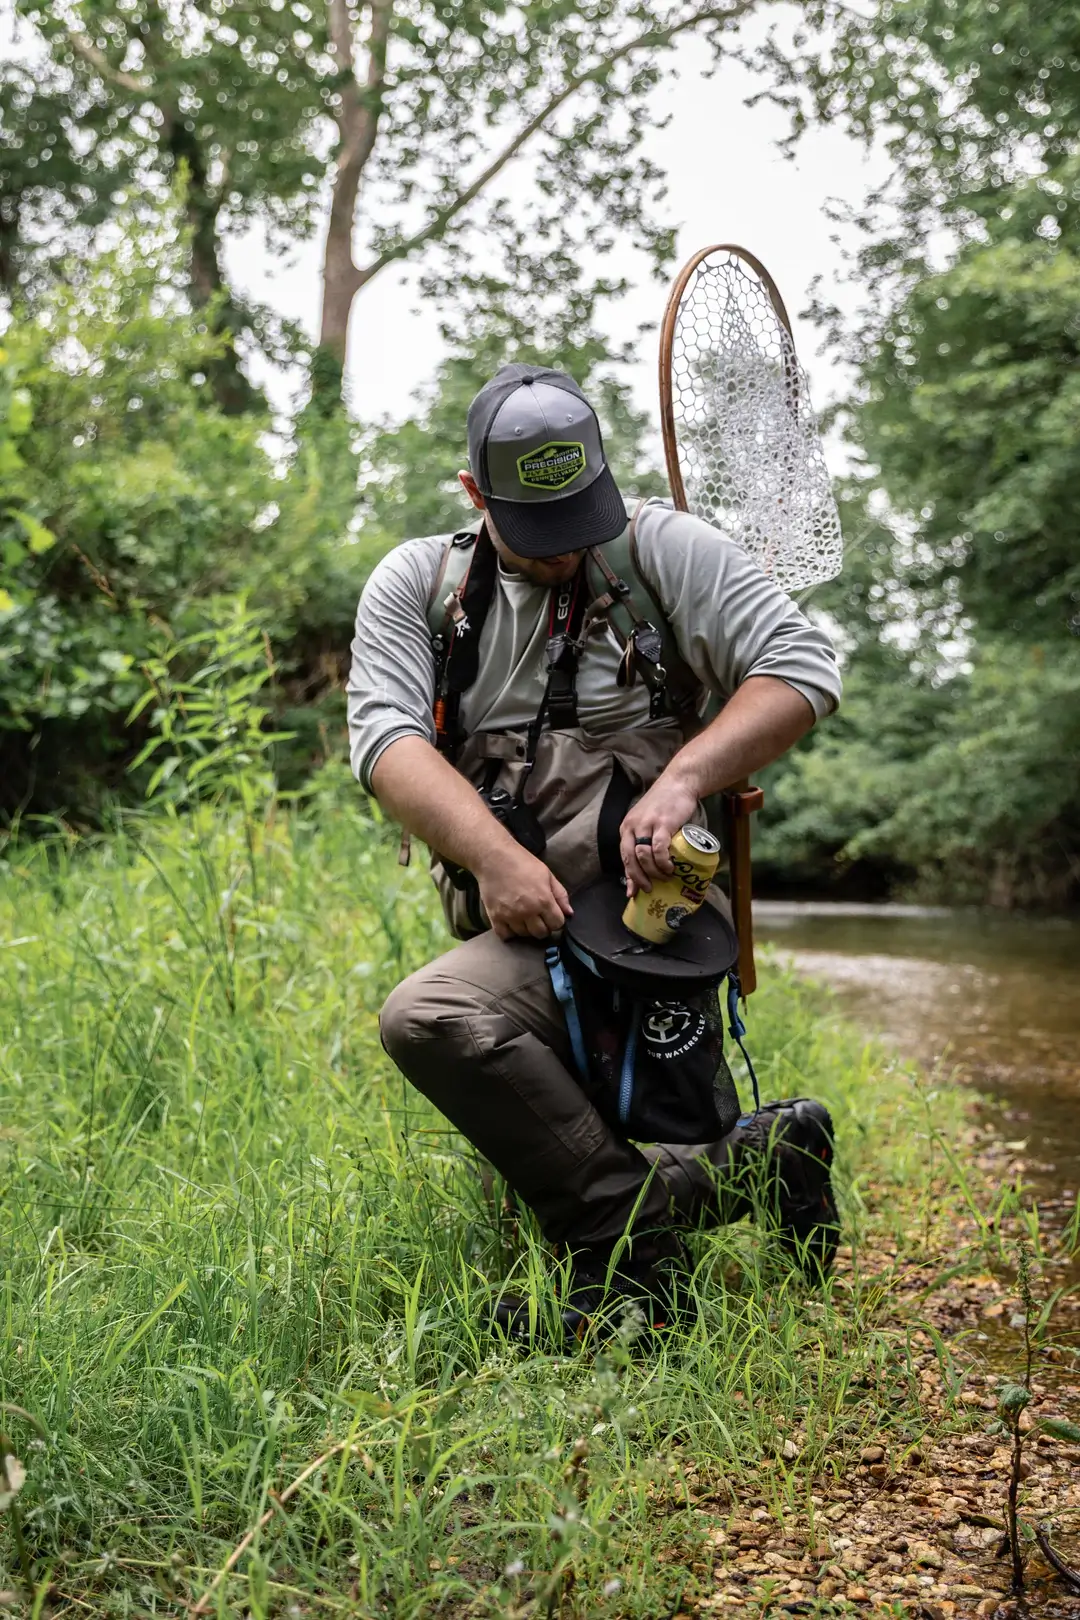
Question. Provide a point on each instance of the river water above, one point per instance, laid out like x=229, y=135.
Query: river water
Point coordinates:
x=994, y=998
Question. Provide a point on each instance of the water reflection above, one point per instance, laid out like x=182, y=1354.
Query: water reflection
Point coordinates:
x=996, y=996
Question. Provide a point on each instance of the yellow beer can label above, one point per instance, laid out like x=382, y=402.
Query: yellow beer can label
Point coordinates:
x=658, y=915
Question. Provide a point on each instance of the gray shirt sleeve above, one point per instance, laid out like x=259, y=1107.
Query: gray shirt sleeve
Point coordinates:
x=730, y=620
x=391, y=687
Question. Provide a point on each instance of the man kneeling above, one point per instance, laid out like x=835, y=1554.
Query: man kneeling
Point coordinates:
x=512, y=705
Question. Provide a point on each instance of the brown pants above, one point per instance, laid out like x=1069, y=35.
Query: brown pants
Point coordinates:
x=480, y=1033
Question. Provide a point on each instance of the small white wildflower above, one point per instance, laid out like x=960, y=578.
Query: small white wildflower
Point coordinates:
x=611, y=1587
x=514, y=1568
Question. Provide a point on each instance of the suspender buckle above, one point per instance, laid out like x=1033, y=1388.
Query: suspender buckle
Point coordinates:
x=561, y=654
x=649, y=646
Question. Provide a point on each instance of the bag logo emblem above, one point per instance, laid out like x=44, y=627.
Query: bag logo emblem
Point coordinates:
x=671, y=1029
x=553, y=466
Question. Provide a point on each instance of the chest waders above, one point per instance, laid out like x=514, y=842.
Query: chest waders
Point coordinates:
x=598, y=593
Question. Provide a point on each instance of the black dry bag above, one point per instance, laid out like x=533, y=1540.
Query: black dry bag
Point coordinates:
x=644, y=1020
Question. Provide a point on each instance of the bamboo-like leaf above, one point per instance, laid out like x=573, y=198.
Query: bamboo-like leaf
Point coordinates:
x=113, y=1358
x=38, y=537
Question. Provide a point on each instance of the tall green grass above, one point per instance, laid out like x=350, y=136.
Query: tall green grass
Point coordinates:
x=232, y=1238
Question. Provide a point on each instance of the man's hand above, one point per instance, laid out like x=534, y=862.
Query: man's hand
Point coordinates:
x=424, y=792
x=758, y=724
x=520, y=895
x=650, y=825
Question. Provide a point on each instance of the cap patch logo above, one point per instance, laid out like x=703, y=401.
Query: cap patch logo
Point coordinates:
x=553, y=466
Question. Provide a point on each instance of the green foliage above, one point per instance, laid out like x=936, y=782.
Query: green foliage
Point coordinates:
x=61, y=168
x=978, y=106
x=955, y=762
x=232, y=1238
x=133, y=505
x=973, y=785
x=251, y=107
x=131, y=502
x=238, y=90
x=209, y=734
x=1061, y=1429
x=1012, y=1398
x=22, y=535
x=970, y=406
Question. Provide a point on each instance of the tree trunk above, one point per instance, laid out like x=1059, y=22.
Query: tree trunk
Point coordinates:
x=206, y=283
x=341, y=279
x=9, y=237
x=357, y=118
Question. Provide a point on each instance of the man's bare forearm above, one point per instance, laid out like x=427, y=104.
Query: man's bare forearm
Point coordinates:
x=758, y=724
x=518, y=894
x=422, y=791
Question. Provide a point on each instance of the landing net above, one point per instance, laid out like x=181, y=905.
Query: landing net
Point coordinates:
x=742, y=442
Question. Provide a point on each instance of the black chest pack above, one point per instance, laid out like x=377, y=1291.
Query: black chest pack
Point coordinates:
x=644, y=1023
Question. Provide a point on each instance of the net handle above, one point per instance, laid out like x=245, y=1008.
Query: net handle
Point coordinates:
x=737, y=799
x=667, y=339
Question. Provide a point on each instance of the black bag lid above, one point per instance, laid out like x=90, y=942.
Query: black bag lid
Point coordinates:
x=697, y=958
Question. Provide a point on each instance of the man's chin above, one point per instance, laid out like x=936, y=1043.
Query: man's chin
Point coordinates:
x=552, y=570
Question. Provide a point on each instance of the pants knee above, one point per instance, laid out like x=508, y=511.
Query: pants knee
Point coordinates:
x=397, y=1023
x=422, y=1014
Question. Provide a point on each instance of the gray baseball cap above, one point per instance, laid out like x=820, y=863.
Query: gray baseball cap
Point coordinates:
x=537, y=454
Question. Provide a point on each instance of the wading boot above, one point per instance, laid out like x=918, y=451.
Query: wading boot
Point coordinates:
x=639, y=1295
x=779, y=1163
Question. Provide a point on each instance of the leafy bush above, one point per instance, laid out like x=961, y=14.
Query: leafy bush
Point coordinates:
x=969, y=791
x=129, y=501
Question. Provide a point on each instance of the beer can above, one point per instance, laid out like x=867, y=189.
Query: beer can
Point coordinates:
x=658, y=915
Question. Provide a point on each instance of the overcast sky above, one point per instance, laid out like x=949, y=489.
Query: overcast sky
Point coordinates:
x=728, y=182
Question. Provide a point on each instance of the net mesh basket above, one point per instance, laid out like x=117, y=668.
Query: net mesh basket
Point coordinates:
x=748, y=446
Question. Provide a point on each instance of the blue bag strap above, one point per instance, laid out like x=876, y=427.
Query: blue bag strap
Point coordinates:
x=737, y=1030
x=564, y=994
x=626, y=1073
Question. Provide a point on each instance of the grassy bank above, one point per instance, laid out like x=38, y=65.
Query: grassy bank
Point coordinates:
x=234, y=1243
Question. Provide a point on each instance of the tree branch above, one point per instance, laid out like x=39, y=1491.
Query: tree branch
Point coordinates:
x=358, y=119
x=443, y=216
x=100, y=63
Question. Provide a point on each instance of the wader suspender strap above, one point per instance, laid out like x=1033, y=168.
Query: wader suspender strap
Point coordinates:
x=558, y=706
x=561, y=657
x=563, y=652
x=644, y=645
x=457, y=647
x=649, y=651
x=457, y=651
x=658, y=662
